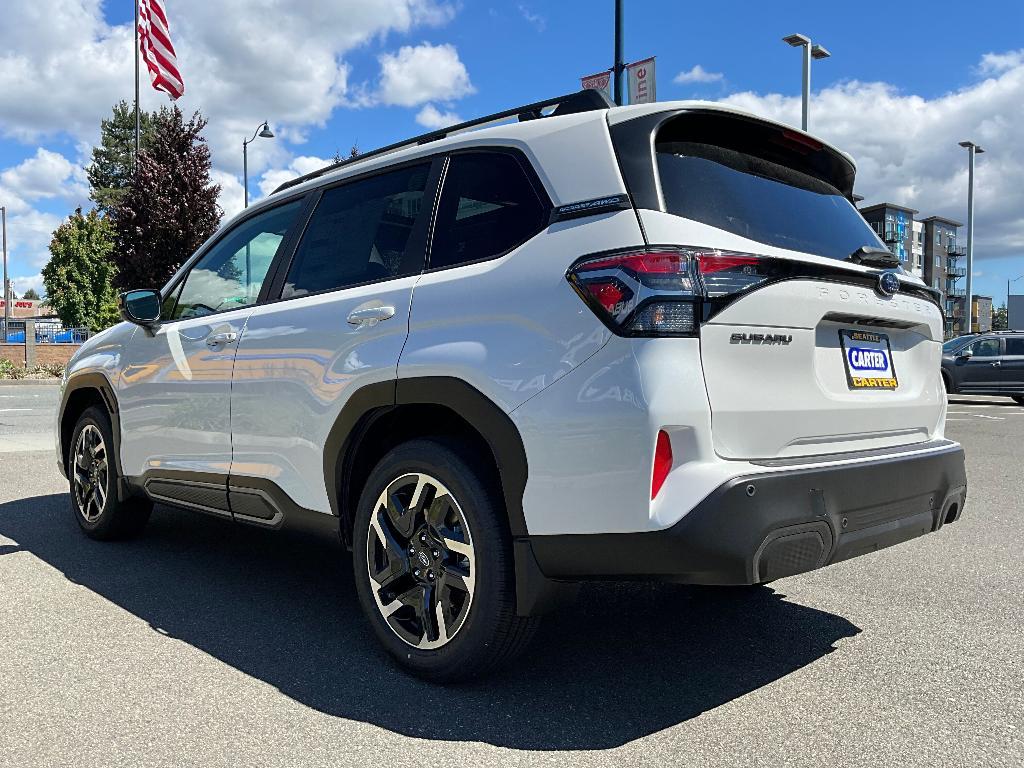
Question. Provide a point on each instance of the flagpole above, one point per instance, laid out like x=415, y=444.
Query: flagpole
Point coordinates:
x=136, y=2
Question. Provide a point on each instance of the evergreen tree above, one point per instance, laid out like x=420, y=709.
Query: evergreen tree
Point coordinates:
x=171, y=206
x=110, y=171
x=31, y=294
x=79, y=274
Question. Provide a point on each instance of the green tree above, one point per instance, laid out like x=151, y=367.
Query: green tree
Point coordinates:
x=170, y=208
x=999, y=320
x=31, y=294
x=78, y=277
x=110, y=171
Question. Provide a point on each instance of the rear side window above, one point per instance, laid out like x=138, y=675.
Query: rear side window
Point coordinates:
x=359, y=233
x=764, y=183
x=986, y=348
x=1015, y=346
x=488, y=207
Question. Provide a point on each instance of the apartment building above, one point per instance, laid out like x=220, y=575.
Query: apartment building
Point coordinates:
x=927, y=248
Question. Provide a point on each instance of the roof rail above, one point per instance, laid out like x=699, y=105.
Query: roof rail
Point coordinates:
x=581, y=101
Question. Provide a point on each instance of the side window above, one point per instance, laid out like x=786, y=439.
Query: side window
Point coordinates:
x=487, y=208
x=231, y=273
x=986, y=348
x=1015, y=345
x=359, y=233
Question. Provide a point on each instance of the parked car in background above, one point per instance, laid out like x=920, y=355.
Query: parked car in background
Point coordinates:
x=598, y=342
x=989, y=363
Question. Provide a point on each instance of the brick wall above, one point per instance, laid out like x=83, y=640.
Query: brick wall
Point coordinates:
x=46, y=354
x=13, y=352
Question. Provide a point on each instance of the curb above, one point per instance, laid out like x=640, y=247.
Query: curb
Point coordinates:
x=29, y=382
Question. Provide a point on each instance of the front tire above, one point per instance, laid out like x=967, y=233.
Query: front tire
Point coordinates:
x=92, y=476
x=433, y=563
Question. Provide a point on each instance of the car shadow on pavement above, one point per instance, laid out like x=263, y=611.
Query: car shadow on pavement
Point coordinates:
x=623, y=662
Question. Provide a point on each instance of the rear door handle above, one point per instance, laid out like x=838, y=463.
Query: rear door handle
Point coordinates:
x=370, y=315
x=216, y=339
x=998, y=362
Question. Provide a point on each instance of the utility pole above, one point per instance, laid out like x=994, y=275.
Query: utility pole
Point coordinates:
x=972, y=150
x=7, y=287
x=620, y=66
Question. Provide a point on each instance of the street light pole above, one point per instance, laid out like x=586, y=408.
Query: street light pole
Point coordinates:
x=7, y=289
x=810, y=50
x=972, y=150
x=262, y=132
x=619, y=66
x=1008, y=326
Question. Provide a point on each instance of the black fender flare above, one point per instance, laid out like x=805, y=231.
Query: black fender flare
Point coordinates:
x=482, y=413
x=100, y=383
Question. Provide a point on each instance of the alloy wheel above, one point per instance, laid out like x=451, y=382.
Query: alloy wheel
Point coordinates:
x=421, y=561
x=90, y=473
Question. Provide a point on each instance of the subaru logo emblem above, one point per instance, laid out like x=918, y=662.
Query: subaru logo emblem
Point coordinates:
x=888, y=284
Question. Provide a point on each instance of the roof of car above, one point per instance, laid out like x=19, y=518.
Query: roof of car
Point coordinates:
x=585, y=110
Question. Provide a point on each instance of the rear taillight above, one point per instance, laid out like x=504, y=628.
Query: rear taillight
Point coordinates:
x=659, y=291
x=641, y=293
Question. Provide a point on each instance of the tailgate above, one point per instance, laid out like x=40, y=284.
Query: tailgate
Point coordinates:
x=781, y=382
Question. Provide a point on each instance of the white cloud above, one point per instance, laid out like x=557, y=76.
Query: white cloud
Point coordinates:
x=418, y=74
x=533, y=18
x=698, y=75
x=906, y=147
x=298, y=166
x=431, y=117
x=62, y=66
x=44, y=175
x=24, y=282
x=29, y=235
x=997, y=63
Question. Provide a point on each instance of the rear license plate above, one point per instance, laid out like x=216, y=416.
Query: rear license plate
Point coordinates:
x=868, y=360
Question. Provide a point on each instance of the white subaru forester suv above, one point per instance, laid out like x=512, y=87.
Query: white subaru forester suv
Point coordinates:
x=577, y=342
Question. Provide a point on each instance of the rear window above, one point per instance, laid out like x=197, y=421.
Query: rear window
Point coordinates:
x=764, y=183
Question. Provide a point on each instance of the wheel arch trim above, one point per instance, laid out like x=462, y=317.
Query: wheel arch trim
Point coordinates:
x=101, y=384
x=479, y=411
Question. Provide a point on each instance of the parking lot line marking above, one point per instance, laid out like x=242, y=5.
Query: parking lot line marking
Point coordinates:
x=983, y=416
x=12, y=410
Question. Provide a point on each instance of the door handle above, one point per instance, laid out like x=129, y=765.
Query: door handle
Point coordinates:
x=998, y=362
x=370, y=315
x=216, y=339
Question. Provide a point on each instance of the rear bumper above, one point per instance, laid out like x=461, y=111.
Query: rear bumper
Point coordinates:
x=759, y=527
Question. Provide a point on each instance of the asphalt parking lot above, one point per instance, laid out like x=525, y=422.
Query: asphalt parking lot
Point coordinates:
x=204, y=643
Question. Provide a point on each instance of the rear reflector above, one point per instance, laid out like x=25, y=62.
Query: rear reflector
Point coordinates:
x=662, y=462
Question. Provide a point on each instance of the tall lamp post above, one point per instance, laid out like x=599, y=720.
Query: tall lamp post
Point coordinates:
x=262, y=132
x=6, y=287
x=810, y=51
x=972, y=150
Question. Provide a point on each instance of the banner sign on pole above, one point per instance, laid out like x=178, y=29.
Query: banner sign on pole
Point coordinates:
x=599, y=82
x=641, y=81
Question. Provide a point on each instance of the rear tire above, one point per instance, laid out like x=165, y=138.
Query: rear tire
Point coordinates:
x=92, y=475
x=433, y=563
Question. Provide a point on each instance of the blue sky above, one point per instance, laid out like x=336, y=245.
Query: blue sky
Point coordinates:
x=899, y=86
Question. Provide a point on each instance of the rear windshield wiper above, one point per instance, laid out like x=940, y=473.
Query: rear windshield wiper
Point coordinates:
x=873, y=257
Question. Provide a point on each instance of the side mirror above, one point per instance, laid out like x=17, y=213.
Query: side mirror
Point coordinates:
x=966, y=354
x=141, y=307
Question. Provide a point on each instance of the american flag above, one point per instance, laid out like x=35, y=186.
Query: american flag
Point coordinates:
x=157, y=50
